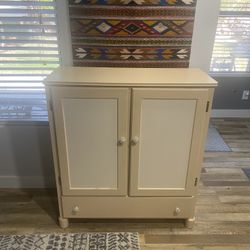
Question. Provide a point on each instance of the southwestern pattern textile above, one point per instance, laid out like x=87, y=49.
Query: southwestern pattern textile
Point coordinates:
x=139, y=33
x=77, y=241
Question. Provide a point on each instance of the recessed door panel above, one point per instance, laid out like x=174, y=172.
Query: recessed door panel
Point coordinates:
x=165, y=140
x=92, y=131
x=91, y=135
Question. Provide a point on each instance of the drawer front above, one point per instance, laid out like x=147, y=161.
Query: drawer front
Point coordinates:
x=128, y=207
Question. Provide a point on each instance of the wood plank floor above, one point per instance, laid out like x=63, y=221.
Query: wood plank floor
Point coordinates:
x=222, y=211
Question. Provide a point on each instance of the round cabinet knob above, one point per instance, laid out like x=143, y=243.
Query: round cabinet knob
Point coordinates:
x=135, y=140
x=75, y=209
x=177, y=211
x=121, y=140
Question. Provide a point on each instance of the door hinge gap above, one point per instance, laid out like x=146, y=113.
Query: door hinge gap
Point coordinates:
x=50, y=105
x=195, y=182
x=59, y=181
x=207, y=107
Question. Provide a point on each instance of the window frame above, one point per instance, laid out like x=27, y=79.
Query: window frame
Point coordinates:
x=224, y=13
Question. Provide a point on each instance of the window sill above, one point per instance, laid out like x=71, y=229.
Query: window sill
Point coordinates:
x=4, y=123
x=229, y=74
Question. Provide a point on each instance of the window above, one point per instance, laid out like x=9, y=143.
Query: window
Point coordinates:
x=28, y=53
x=231, y=51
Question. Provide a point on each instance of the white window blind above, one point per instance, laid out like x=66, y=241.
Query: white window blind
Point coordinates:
x=28, y=42
x=231, y=51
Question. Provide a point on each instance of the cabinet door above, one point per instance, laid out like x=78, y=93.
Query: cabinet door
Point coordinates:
x=92, y=131
x=166, y=141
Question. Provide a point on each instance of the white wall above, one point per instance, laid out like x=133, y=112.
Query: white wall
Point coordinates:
x=64, y=37
x=206, y=18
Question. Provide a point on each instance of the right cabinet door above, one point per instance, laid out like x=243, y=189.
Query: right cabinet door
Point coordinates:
x=167, y=138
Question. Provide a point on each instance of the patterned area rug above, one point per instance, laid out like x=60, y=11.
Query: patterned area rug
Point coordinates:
x=76, y=241
x=215, y=142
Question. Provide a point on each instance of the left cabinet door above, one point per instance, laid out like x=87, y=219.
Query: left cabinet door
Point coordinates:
x=92, y=139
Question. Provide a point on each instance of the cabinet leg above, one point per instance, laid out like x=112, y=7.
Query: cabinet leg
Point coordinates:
x=189, y=223
x=63, y=222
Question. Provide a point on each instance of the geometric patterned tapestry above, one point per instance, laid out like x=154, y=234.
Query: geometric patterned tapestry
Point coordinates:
x=132, y=33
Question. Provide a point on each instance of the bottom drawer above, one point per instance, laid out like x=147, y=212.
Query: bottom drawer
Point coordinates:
x=128, y=207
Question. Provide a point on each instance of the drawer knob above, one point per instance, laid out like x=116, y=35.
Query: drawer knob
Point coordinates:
x=121, y=140
x=177, y=211
x=75, y=209
x=135, y=140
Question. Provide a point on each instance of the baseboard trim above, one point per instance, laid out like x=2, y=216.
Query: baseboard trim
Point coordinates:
x=26, y=182
x=233, y=113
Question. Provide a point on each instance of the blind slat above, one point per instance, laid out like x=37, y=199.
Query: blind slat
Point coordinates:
x=24, y=74
x=17, y=49
x=27, y=41
x=28, y=67
x=28, y=3
x=17, y=19
x=28, y=55
x=236, y=5
x=29, y=62
x=25, y=26
x=27, y=34
x=33, y=11
x=33, y=85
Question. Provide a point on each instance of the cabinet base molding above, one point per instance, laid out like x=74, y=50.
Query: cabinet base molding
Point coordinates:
x=128, y=207
x=190, y=222
x=63, y=222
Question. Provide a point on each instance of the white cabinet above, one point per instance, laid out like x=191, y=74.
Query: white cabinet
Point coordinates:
x=126, y=145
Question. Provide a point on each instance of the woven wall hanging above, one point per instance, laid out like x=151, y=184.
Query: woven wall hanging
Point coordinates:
x=132, y=33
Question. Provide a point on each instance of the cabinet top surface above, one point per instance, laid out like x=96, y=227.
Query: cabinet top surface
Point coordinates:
x=104, y=76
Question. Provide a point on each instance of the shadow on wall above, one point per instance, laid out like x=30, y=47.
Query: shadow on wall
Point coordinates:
x=26, y=156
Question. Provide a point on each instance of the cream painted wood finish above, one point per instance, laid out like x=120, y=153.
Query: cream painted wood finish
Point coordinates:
x=169, y=124
x=128, y=207
x=90, y=123
x=92, y=154
x=129, y=77
x=128, y=143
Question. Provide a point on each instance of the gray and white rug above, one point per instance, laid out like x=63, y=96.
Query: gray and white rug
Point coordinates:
x=71, y=241
x=215, y=142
